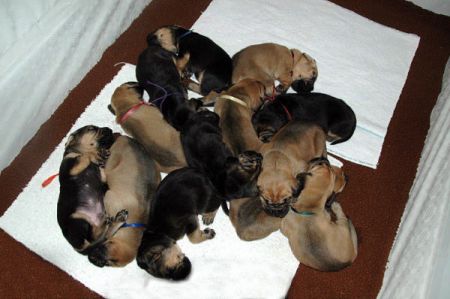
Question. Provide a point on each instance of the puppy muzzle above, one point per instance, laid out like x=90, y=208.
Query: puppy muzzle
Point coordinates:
x=276, y=209
x=303, y=85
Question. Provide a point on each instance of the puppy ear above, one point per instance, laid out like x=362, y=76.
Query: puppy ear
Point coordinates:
x=111, y=109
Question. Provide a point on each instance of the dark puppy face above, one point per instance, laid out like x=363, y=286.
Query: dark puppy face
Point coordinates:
x=304, y=73
x=304, y=85
x=160, y=256
x=268, y=120
x=166, y=37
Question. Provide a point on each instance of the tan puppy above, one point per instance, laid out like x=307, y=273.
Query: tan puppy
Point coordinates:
x=235, y=108
x=147, y=125
x=286, y=156
x=132, y=178
x=321, y=238
x=269, y=62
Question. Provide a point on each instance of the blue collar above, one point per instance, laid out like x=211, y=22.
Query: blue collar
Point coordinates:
x=134, y=225
x=184, y=34
x=303, y=213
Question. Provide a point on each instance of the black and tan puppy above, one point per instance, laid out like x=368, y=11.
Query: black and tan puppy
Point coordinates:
x=132, y=179
x=157, y=74
x=196, y=54
x=235, y=107
x=320, y=237
x=204, y=149
x=284, y=158
x=174, y=213
x=271, y=62
x=333, y=115
x=80, y=212
x=146, y=124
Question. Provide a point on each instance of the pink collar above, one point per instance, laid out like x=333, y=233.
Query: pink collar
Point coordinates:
x=131, y=111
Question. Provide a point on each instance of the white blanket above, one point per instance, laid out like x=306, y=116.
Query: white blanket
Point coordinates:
x=359, y=61
x=224, y=267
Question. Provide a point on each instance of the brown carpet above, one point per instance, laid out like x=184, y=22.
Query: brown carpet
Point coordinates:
x=374, y=199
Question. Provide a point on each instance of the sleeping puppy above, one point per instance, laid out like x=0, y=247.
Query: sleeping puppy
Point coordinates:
x=284, y=158
x=271, y=62
x=157, y=74
x=321, y=238
x=204, y=149
x=195, y=54
x=132, y=179
x=182, y=195
x=146, y=124
x=333, y=115
x=235, y=108
x=80, y=212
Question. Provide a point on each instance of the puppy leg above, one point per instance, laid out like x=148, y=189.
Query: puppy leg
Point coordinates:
x=115, y=223
x=196, y=235
x=208, y=218
x=285, y=82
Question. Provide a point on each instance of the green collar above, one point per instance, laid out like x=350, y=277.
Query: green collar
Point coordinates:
x=302, y=213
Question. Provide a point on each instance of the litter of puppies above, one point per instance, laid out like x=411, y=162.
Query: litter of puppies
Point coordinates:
x=260, y=155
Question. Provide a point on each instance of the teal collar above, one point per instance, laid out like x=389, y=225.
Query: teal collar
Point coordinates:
x=303, y=213
x=135, y=225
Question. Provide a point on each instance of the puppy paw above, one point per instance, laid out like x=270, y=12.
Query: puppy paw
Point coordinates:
x=208, y=233
x=250, y=161
x=208, y=218
x=121, y=216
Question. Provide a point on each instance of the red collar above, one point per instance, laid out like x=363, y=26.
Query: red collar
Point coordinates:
x=272, y=99
x=131, y=111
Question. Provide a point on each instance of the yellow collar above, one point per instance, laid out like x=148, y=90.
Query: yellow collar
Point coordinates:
x=234, y=99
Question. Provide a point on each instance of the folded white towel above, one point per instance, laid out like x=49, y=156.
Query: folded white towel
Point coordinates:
x=359, y=61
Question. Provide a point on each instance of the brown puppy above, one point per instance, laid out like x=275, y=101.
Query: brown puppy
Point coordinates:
x=269, y=62
x=235, y=108
x=147, y=125
x=132, y=178
x=286, y=156
x=321, y=238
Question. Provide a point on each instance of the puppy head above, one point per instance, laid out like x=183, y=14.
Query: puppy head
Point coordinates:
x=276, y=184
x=304, y=72
x=113, y=253
x=160, y=256
x=89, y=140
x=124, y=97
x=167, y=37
x=268, y=120
x=320, y=183
x=250, y=91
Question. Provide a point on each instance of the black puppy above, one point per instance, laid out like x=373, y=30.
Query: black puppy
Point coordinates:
x=180, y=198
x=157, y=74
x=198, y=55
x=80, y=211
x=335, y=117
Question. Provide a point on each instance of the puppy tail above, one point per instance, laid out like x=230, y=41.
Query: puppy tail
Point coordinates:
x=225, y=208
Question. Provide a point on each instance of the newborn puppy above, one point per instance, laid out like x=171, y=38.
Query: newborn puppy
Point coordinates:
x=174, y=213
x=132, y=178
x=271, y=62
x=321, y=238
x=333, y=115
x=157, y=74
x=195, y=54
x=146, y=124
x=204, y=149
x=286, y=156
x=235, y=108
x=80, y=211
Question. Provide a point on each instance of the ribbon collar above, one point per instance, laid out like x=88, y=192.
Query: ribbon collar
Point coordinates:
x=303, y=213
x=131, y=111
x=234, y=99
x=134, y=225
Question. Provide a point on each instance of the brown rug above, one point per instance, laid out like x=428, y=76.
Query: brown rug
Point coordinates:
x=374, y=199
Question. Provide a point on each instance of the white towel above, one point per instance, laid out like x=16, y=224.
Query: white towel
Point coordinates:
x=359, y=61
x=224, y=267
